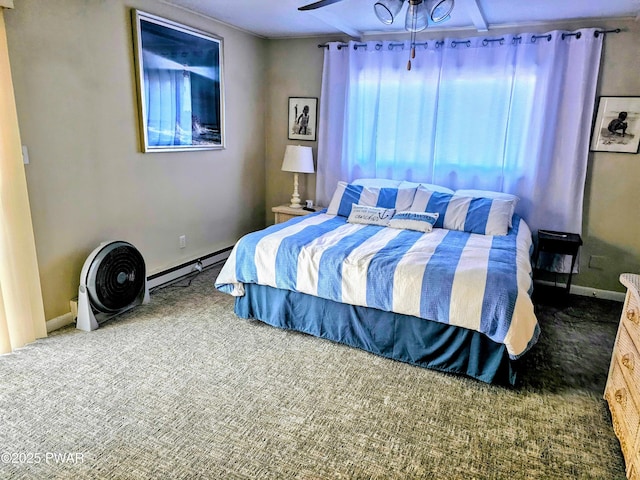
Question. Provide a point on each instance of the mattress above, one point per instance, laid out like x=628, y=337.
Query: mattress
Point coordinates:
x=480, y=283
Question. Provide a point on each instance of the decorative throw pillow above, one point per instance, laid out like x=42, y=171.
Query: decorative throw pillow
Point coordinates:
x=347, y=195
x=485, y=216
x=420, y=221
x=370, y=215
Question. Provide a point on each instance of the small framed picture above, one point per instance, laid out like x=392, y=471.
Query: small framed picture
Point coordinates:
x=303, y=118
x=617, y=125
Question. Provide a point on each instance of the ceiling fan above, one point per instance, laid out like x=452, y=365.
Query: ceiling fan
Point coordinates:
x=419, y=13
x=417, y=18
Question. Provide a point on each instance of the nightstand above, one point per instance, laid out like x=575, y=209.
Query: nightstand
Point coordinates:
x=560, y=243
x=285, y=212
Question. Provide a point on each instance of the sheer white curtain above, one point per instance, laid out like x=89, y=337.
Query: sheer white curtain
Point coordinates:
x=21, y=310
x=510, y=113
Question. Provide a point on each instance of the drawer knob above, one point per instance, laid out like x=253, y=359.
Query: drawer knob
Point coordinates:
x=632, y=315
x=627, y=361
x=621, y=396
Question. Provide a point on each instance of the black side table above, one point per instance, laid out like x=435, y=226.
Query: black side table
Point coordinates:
x=561, y=243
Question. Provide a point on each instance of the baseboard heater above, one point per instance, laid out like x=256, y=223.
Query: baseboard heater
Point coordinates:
x=182, y=270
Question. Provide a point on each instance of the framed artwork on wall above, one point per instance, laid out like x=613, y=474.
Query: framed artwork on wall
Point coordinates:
x=617, y=125
x=180, y=85
x=303, y=118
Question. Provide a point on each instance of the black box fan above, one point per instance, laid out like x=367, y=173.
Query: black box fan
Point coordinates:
x=113, y=280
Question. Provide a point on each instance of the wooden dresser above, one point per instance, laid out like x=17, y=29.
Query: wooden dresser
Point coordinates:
x=622, y=392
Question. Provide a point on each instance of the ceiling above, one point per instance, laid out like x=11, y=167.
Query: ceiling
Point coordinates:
x=281, y=18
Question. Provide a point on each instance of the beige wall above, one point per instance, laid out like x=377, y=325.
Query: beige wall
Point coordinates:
x=611, y=230
x=294, y=69
x=73, y=73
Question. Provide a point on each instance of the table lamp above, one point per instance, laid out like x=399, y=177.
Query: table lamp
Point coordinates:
x=297, y=159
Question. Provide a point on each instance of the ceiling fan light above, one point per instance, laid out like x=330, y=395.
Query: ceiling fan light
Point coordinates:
x=439, y=10
x=387, y=10
x=417, y=16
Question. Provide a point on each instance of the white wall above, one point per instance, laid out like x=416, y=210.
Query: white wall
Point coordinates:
x=73, y=73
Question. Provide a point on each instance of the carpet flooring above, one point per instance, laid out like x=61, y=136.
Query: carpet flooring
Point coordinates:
x=181, y=388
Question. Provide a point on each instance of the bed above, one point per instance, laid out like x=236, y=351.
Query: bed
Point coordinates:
x=412, y=272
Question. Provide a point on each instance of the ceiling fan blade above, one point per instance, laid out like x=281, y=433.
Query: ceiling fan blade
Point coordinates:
x=321, y=3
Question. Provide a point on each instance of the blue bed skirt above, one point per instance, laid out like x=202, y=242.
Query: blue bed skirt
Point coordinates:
x=405, y=338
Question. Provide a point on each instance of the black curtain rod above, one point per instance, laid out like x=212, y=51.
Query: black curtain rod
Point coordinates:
x=485, y=42
x=604, y=32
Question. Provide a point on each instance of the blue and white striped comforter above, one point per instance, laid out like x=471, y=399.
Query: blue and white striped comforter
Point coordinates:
x=473, y=281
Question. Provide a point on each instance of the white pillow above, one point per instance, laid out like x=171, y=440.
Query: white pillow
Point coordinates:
x=370, y=215
x=491, y=194
x=377, y=182
x=386, y=197
x=429, y=186
x=420, y=221
x=387, y=183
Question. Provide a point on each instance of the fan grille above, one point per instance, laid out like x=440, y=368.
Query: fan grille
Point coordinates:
x=118, y=279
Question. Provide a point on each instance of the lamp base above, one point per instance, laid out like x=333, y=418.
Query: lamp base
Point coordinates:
x=295, y=198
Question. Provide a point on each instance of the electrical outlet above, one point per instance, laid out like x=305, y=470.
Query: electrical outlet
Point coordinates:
x=598, y=262
x=197, y=267
x=183, y=241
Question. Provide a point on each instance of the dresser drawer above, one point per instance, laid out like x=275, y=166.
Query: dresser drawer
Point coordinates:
x=626, y=353
x=631, y=316
x=623, y=410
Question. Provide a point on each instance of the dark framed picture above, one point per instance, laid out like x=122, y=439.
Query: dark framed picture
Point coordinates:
x=617, y=125
x=303, y=118
x=180, y=85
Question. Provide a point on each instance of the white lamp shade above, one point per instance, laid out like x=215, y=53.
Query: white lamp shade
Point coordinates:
x=298, y=159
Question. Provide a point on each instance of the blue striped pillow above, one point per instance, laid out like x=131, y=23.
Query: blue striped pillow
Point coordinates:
x=514, y=199
x=348, y=194
x=486, y=216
